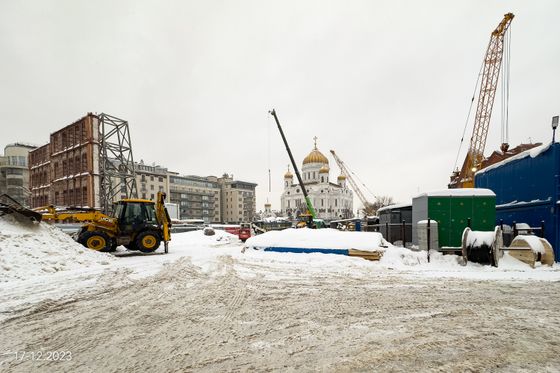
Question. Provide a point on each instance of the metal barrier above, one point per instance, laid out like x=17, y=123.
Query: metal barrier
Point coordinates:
x=516, y=229
x=399, y=234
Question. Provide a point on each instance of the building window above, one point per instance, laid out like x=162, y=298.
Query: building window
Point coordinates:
x=160, y=179
x=151, y=178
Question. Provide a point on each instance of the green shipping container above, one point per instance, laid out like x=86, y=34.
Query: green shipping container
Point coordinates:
x=452, y=208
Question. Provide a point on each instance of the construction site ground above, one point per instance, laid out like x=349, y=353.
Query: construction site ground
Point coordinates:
x=216, y=309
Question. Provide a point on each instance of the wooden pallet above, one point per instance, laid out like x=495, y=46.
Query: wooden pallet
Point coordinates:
x=368, y=255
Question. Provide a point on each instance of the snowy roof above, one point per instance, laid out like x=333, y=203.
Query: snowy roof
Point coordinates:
x=534, y=152
x=525, y=203
x=458, y=193
x=395, y=206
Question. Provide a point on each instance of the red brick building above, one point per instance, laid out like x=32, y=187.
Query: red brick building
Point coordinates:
x=65, y=172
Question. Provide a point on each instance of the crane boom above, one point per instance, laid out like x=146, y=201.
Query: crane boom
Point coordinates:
x=489, y=83
x=344, y=170
x=300, y=180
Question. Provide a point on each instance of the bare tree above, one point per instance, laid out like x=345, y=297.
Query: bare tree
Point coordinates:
x=380, y=201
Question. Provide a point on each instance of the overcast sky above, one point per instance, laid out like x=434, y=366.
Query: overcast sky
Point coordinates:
x=387, y=84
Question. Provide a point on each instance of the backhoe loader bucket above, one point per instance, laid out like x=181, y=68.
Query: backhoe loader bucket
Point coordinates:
x=8, y=205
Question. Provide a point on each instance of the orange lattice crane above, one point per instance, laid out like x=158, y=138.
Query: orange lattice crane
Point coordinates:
x=464, y=178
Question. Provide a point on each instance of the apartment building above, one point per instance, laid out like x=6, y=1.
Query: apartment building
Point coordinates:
x=238, y=199
x=14, y=172
x=198, y=197
x=150, y=180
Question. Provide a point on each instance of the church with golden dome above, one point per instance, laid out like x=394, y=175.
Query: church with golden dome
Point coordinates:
x=330, y=200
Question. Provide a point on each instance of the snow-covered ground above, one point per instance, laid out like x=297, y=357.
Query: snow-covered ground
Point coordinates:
x=209, y=306
x=39, y=262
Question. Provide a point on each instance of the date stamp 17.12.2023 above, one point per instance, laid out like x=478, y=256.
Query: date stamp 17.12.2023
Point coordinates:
x=38, y=355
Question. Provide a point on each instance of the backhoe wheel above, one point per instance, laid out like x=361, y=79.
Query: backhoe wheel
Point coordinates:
x=147, y=242
x=97, y=241
x=131, y=246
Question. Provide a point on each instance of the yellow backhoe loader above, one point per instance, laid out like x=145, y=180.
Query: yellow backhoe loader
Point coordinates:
x=138, y=224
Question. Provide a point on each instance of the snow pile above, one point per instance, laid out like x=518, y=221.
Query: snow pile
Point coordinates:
x=28, y=250
x=534, y=242
x=199, y=239
x=402, y=258
x=318, y=238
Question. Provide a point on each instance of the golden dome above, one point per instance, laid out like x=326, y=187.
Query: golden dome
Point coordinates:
x=288, y=175
x=341, y=177
x=315, y=157
x=324, y=170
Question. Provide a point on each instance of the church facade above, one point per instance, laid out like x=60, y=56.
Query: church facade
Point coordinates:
x=330, y=200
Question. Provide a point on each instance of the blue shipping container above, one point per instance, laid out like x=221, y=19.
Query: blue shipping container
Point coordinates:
x=527, y=190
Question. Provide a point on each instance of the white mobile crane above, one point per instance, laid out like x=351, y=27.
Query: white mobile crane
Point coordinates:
x=368, y=206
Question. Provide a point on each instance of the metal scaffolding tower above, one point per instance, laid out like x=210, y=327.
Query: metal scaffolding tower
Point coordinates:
x=117, y=172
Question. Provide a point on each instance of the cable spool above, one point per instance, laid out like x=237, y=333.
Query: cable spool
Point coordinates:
x=482, y=247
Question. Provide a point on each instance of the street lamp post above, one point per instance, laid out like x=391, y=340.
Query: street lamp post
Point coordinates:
x=554, y=126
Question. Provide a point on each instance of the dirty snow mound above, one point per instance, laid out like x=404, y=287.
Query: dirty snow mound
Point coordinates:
x=29, y=249
x=197, y=238
x=402, y=258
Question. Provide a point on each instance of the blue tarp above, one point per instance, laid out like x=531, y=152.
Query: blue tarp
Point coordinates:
x=301, y=250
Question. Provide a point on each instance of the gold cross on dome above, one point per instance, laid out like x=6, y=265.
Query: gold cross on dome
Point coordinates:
x=315, y=139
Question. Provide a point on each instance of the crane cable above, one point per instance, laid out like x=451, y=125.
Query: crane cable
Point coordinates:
x=470, y=110
x=505, y=87
x=361, y=182
x=269, y=150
